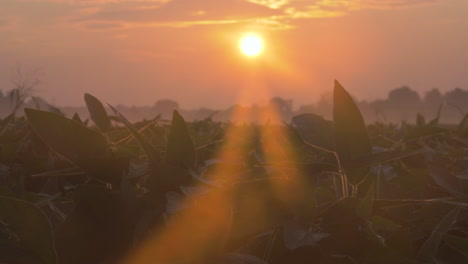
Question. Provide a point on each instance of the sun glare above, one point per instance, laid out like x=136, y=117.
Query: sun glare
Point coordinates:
x=251, y=45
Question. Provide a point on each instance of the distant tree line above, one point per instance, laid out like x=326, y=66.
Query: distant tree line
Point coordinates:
x=401, y=104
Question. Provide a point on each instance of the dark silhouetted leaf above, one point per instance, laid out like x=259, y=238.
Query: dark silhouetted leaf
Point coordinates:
x=82, y=146
x=295, y=235
x=379, y=158
x=153, y=155
x=180, y=150
x=351, y=139
x=77, y=118
x=366, y=205
x=458, y=243
x=97, y=112
x=98, y=230
x=31, y=226
x=65, y=136
x=441, y=174
x=430, y=246
x=315, y=130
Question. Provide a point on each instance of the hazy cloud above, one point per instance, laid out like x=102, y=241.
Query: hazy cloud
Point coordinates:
x=270, y=14
x=184, y=10
x=95, y=2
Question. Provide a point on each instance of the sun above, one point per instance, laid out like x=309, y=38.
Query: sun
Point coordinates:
x=251, y=45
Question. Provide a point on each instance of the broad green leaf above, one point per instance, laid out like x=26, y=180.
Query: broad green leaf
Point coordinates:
x=315, y=130
x=180, y=150
x=379, y=158
x=77, y=118
x=82, y=146
x=366, y=205
x=458, y=243
x=430, y=246
x=350, y=233
x=462, y=202
x=98, y=230
x=153, y=154
x=386, y=224
x=439, y=172
x=401, y=241
x=66, y=136
x=31, y=226
x=296, y=234
x=12, y=252
x=416, y=132
x=97, y=113
x=351, y=139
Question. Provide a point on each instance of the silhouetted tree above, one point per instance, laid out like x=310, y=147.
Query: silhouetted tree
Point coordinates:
x=431, y=102
x=165, y=107
x=401, y=103
x=458, y=99
x=433, y=97
x=282, y=106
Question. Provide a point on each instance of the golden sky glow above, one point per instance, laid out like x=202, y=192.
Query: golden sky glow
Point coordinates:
x=186, y=49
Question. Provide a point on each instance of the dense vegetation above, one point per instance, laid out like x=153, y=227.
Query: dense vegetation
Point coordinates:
x=156, y=191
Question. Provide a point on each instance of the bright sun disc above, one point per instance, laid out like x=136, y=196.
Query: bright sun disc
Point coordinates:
x=251, y=45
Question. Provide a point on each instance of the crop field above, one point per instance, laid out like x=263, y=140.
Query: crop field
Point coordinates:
x=311, y=190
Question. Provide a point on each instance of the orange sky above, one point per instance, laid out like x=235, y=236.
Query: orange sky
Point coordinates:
x=136, y=52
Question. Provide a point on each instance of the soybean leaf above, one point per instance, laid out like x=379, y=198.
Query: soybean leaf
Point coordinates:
x=98, y=229
x=379, y=158
x=441, y=174
x=77, y=118
x=296, y=234
x=82, y=146
x=365, y=206
x=315, y=130
x=351, y=139
x=14, y=253
x=458, y=243
x=430, y=246
x=31, y=226
x=65, y=136
x=180, y=150
x=97, y=113
x=149, y=149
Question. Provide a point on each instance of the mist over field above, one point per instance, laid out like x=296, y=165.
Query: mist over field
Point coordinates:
x=401, y=104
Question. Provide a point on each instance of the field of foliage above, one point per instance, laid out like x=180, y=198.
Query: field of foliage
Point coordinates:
x=166, y=191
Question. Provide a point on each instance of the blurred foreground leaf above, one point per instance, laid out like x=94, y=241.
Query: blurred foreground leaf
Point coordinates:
x=31, y=226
